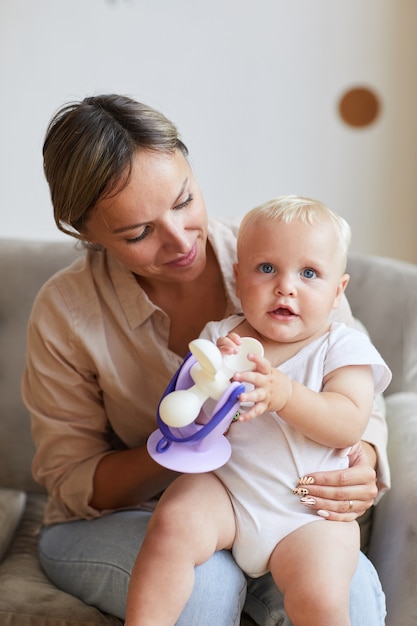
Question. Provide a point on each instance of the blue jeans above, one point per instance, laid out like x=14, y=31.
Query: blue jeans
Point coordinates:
x=93, y=560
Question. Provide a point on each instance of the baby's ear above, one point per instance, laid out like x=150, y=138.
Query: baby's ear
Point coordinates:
x=343, y=283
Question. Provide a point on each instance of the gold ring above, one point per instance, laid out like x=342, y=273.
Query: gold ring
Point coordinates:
x=350, y=505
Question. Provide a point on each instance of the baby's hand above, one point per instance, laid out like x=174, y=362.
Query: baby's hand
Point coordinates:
x=272, y=389
x=229, y=344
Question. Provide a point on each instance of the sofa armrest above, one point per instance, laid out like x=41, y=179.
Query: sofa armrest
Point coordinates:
x=393, y=546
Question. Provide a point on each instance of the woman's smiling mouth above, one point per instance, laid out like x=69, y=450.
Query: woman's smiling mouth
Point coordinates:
x=186, y=260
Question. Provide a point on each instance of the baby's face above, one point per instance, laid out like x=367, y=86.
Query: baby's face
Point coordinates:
x=289, y=278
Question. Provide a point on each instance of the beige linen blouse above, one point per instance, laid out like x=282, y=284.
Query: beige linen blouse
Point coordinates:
x=97, y=365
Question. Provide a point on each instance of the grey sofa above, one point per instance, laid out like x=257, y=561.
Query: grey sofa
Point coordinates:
x=383, y=295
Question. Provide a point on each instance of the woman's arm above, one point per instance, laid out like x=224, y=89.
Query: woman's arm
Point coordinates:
x=76, y=459
x=127, y=477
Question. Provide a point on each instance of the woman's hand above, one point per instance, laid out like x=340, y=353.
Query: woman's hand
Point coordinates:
x=342, y=495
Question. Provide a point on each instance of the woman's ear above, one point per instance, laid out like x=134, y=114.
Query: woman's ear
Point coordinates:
x=236, y=273
x=343, y=283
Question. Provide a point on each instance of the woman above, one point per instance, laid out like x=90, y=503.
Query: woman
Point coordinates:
x=105, y=337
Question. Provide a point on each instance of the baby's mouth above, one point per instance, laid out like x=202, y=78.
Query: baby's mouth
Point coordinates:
x=283, y=311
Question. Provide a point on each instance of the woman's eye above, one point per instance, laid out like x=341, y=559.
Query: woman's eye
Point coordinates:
x=308, y=273
x=184, y=204
x=266, y=268
x=143, y=235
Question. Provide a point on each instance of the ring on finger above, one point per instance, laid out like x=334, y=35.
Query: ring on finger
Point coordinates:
x=350, y=506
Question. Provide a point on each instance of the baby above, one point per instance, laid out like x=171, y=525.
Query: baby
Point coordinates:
x=309, y=396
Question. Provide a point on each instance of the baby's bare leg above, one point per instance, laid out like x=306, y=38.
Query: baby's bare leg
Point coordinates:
x=193, y=519
x=313, y=567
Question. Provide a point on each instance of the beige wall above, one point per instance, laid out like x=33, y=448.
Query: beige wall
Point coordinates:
x=253, y=86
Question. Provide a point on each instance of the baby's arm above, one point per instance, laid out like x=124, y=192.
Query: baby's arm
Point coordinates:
x=335, y=417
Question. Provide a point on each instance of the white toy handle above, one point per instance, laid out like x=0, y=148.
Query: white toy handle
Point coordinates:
x=211, y=375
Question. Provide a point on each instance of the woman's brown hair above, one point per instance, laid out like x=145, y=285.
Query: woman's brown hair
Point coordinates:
x=89, y=148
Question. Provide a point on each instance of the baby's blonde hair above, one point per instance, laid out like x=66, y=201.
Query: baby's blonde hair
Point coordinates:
x=292, y=207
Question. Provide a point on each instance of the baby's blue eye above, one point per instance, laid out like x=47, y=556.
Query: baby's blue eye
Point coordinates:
x=266, y=268
x=309, y=273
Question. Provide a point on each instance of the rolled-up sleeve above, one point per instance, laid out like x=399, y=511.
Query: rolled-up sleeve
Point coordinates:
x=61, y=392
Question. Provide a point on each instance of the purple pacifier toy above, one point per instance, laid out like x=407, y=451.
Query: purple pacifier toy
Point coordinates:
x=198, y=406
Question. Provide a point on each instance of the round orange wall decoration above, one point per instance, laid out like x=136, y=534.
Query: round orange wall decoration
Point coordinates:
x=359, y=107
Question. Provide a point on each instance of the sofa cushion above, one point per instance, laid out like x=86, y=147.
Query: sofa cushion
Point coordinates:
x=393, y=548
x=12, y=505
x=25, y=266
x=27, y=596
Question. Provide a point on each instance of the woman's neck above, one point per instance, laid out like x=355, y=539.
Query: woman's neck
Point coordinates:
x=190, y=305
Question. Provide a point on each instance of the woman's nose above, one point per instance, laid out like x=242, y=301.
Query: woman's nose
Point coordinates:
x=175, y=235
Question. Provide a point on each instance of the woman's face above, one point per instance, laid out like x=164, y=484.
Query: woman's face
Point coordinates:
x=157, y=224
